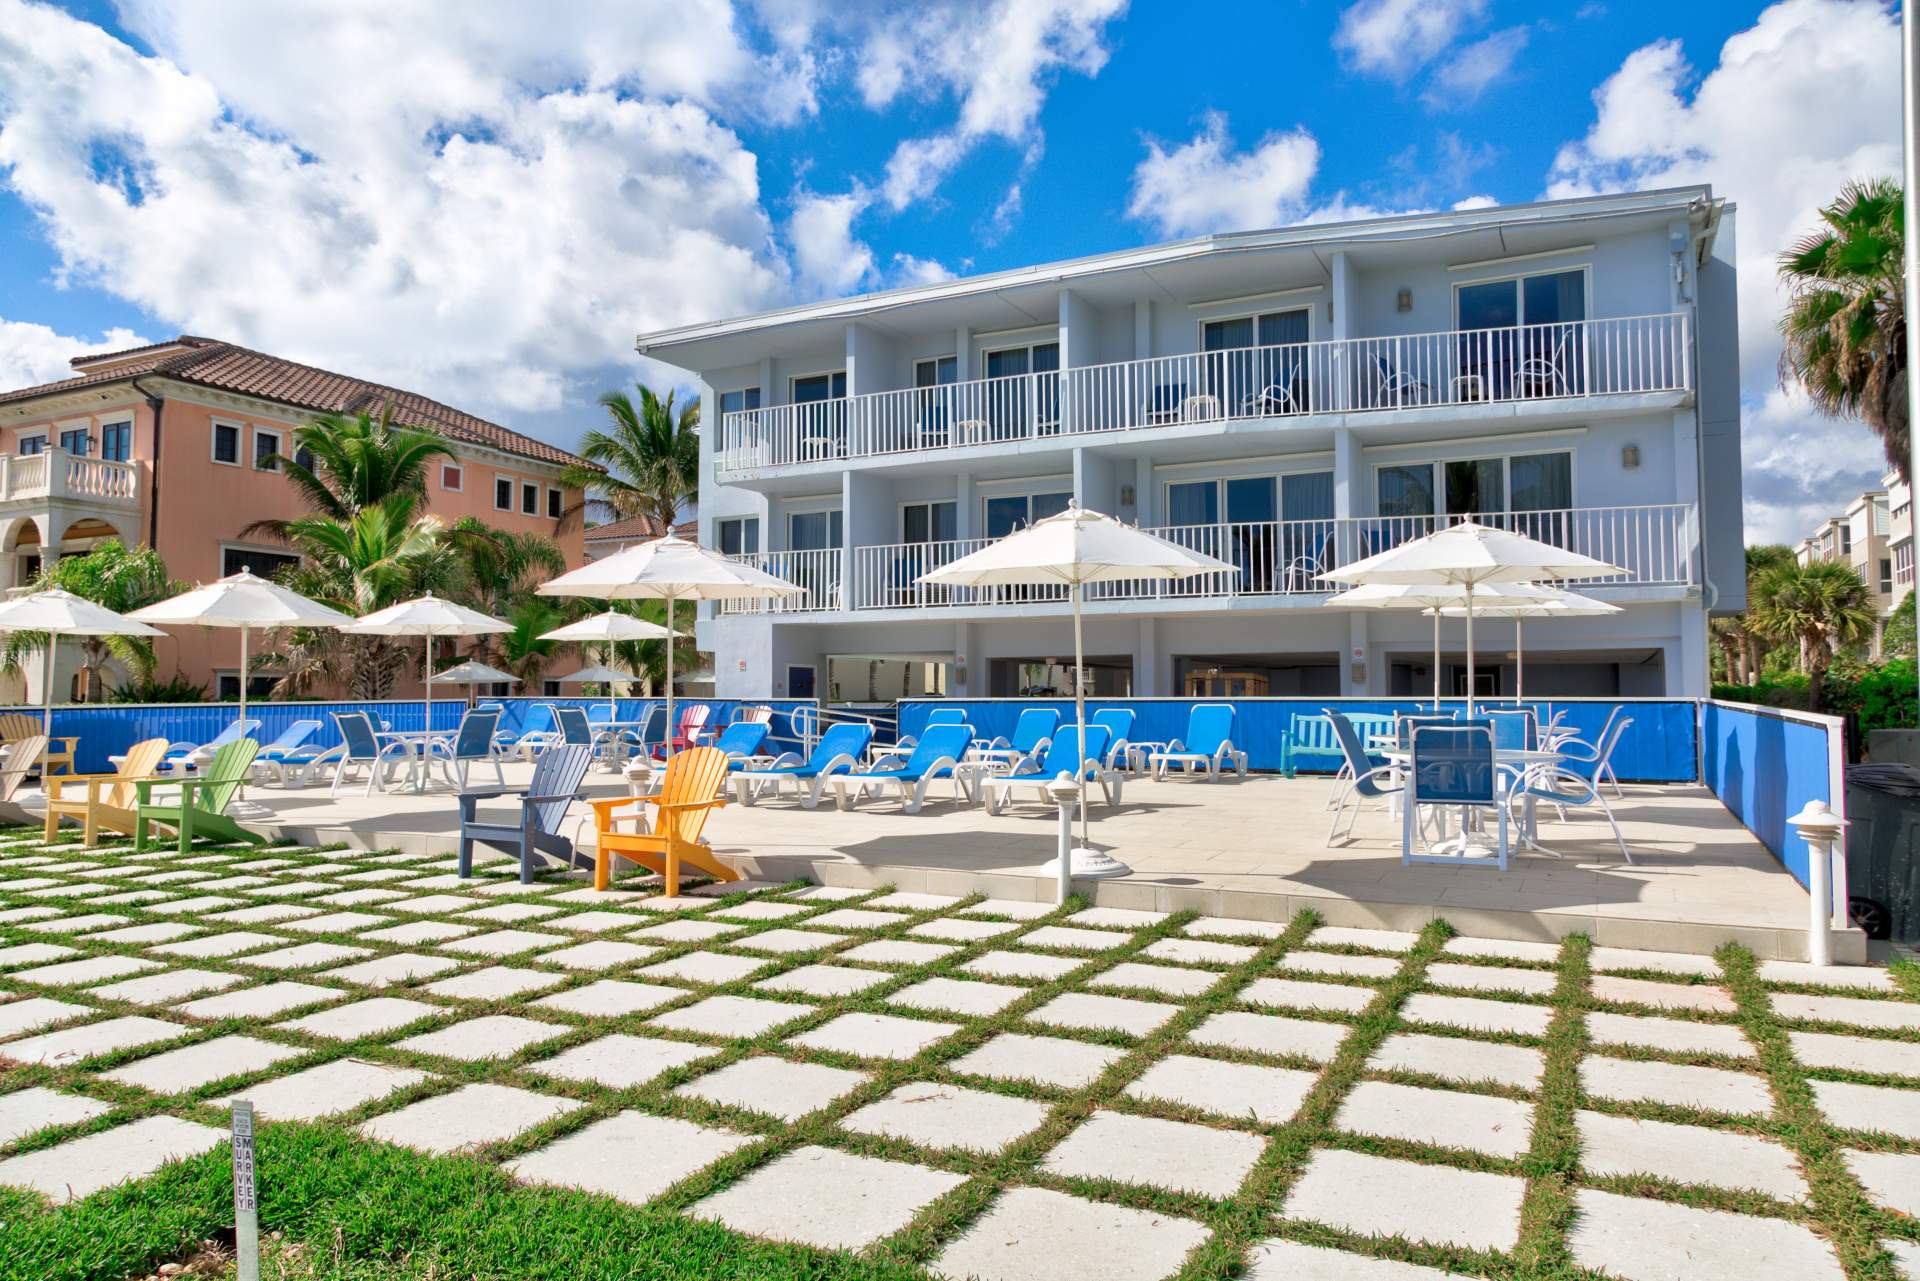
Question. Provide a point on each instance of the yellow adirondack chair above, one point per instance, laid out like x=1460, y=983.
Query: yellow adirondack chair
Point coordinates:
x=15, y=726
x=690, y=792
x=13, y=772
x=109, y=798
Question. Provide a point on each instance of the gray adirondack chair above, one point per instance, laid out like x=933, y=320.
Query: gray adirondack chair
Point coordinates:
x=543, y=805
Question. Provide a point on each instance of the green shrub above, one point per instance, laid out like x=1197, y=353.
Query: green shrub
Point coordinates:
x=177, y=690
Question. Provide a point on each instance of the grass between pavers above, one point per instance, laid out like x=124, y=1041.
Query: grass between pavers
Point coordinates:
x=1550, y=1166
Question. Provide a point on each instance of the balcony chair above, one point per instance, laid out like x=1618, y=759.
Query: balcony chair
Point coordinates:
x=22, y=759
x=939, y=750
x=291, y=750
x=1393, y=387
x=1561, y=787
x=105, y=800
x=1061, y=757
x=839, y=751
x=690, y=792
x=361, y=749
x=1119, y=724
x=1163, y=406
x=1208, y=745
x=1302, y=573
x=202, y=808
x=57, y=750
x=472, y=742
x=543, y=805
x=1451, y=766
x=1365, y=779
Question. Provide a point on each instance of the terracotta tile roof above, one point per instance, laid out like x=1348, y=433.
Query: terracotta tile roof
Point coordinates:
x=225, y=366
x=636, y=528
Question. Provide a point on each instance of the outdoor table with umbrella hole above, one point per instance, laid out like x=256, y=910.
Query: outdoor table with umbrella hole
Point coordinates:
x=670, y=569
x=1076, y=547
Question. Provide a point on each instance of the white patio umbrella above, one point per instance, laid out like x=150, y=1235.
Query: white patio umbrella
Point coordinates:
x=246, y=601
x=1471, y=555
x=61, y=613
x=669, y=569
x=474, y=673
x=598, y=675
x=1553, y=603
x=427, y=617
x=1076, y=547
x=1435, y=597
x=609, y=628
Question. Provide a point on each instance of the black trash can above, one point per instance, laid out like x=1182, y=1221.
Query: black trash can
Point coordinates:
x=1883, y=851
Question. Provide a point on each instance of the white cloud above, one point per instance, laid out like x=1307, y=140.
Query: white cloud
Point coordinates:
x=909, y=270
x=826, y=256
x=1466, y=75
x=1205, y=185
x=1798, y=104
x=31, y=354
x=997, y=59
x=1396, y=38
x=480, y=211
x=1475, y=202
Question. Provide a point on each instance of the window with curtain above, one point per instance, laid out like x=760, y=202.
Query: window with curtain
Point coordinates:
x=1476, y=485
x=939, y=372
x=739, y=400
x=1194, y=502
x=1541, y=482
x=928, y=522
x=739, y=535
x=1307, y=496
x=1405, y=490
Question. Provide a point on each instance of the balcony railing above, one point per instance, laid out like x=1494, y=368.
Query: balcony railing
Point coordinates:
x=1634, y=354
x=55, y=473
x=818, y=572
x=1654, y=544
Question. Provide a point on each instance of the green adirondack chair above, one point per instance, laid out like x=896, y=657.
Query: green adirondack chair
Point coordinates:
x=202, y=811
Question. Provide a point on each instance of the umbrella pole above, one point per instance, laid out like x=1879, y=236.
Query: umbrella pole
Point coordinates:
x=669, y=643
x=1469, y=651
x=1080, y=711
x=1519, y=664
x=1436, y=660
x=46, y=691
x=426, y=681
x=243, y=676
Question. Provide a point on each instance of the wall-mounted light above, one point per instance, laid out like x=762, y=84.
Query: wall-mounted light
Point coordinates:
x=1630, y=456
x=1404, y=301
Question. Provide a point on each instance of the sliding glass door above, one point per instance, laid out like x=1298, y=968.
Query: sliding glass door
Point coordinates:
x=1522, y=337
x=1261, y=363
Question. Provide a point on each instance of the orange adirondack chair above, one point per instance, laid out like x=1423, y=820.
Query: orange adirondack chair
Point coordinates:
x=109, y=799
x=690, y=792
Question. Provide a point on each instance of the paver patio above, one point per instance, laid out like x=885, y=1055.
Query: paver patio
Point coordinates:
x=997, y=1090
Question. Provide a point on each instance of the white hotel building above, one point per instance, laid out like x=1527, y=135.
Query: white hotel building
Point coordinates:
x=1287, y=400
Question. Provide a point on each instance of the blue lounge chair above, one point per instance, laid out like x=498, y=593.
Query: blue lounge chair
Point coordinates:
x=1119, y=723
x=1061, y=757
x=361, y=749
x=942, y=747
x=839, y=751
x=536, y=732
x=543, y=805
x=1030, y=736
x=473, y=741
x=1367, y=780
x=291, y=751
x=938, y=716
x=182, y=758
x=742, y=741
x=1208, y=744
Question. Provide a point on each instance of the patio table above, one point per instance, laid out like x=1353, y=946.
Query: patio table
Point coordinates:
x=415, y=742
x=1526, y=760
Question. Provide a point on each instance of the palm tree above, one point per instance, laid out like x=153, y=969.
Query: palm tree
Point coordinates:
x=356, y=461
x=651, y=454
x=521, y=651
x=1817, y=607
x=1846, y=317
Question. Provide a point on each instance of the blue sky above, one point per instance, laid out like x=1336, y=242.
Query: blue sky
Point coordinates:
x=485, y=205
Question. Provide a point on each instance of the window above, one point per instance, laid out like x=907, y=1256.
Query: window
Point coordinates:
x=1006, y=514
x=1522, y=336
x=33, y=444
x=551, y=689
x=1846, y=540
x=1474, y=486
x=502, y=493
x=929, y=522
x=451, y=477
x=1273, y=528
x=937, y=371
x=254, y=560
x=817, y=387
x=1903, y=563
x=739, y=400
x=529, y=499
x=266, y=450
x=1260, y=366
x=813, y=531
x=304, y=458
x=259, y=685
x=226, y=444
x=75, y=441
x=116, y=442
x=1886, y=576
x=1007, y=412
x=553, y=504
x=738, y=535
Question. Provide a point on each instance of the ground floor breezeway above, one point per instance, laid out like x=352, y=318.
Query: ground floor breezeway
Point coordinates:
x=1651, y=649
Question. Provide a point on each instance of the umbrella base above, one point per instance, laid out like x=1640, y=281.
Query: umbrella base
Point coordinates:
x=1085, y=864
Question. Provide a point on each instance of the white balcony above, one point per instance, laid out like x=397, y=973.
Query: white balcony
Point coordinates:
x=58, y=476
x=1557, y=362
x=1656, y=545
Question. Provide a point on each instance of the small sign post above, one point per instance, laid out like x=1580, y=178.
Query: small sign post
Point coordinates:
x=246, y=1211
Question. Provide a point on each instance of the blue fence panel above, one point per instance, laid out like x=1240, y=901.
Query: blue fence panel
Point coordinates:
x=1659, y=747
x=1764, y=765
x=108, y=729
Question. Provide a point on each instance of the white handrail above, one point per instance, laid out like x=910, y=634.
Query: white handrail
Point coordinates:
x=1612, y=356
